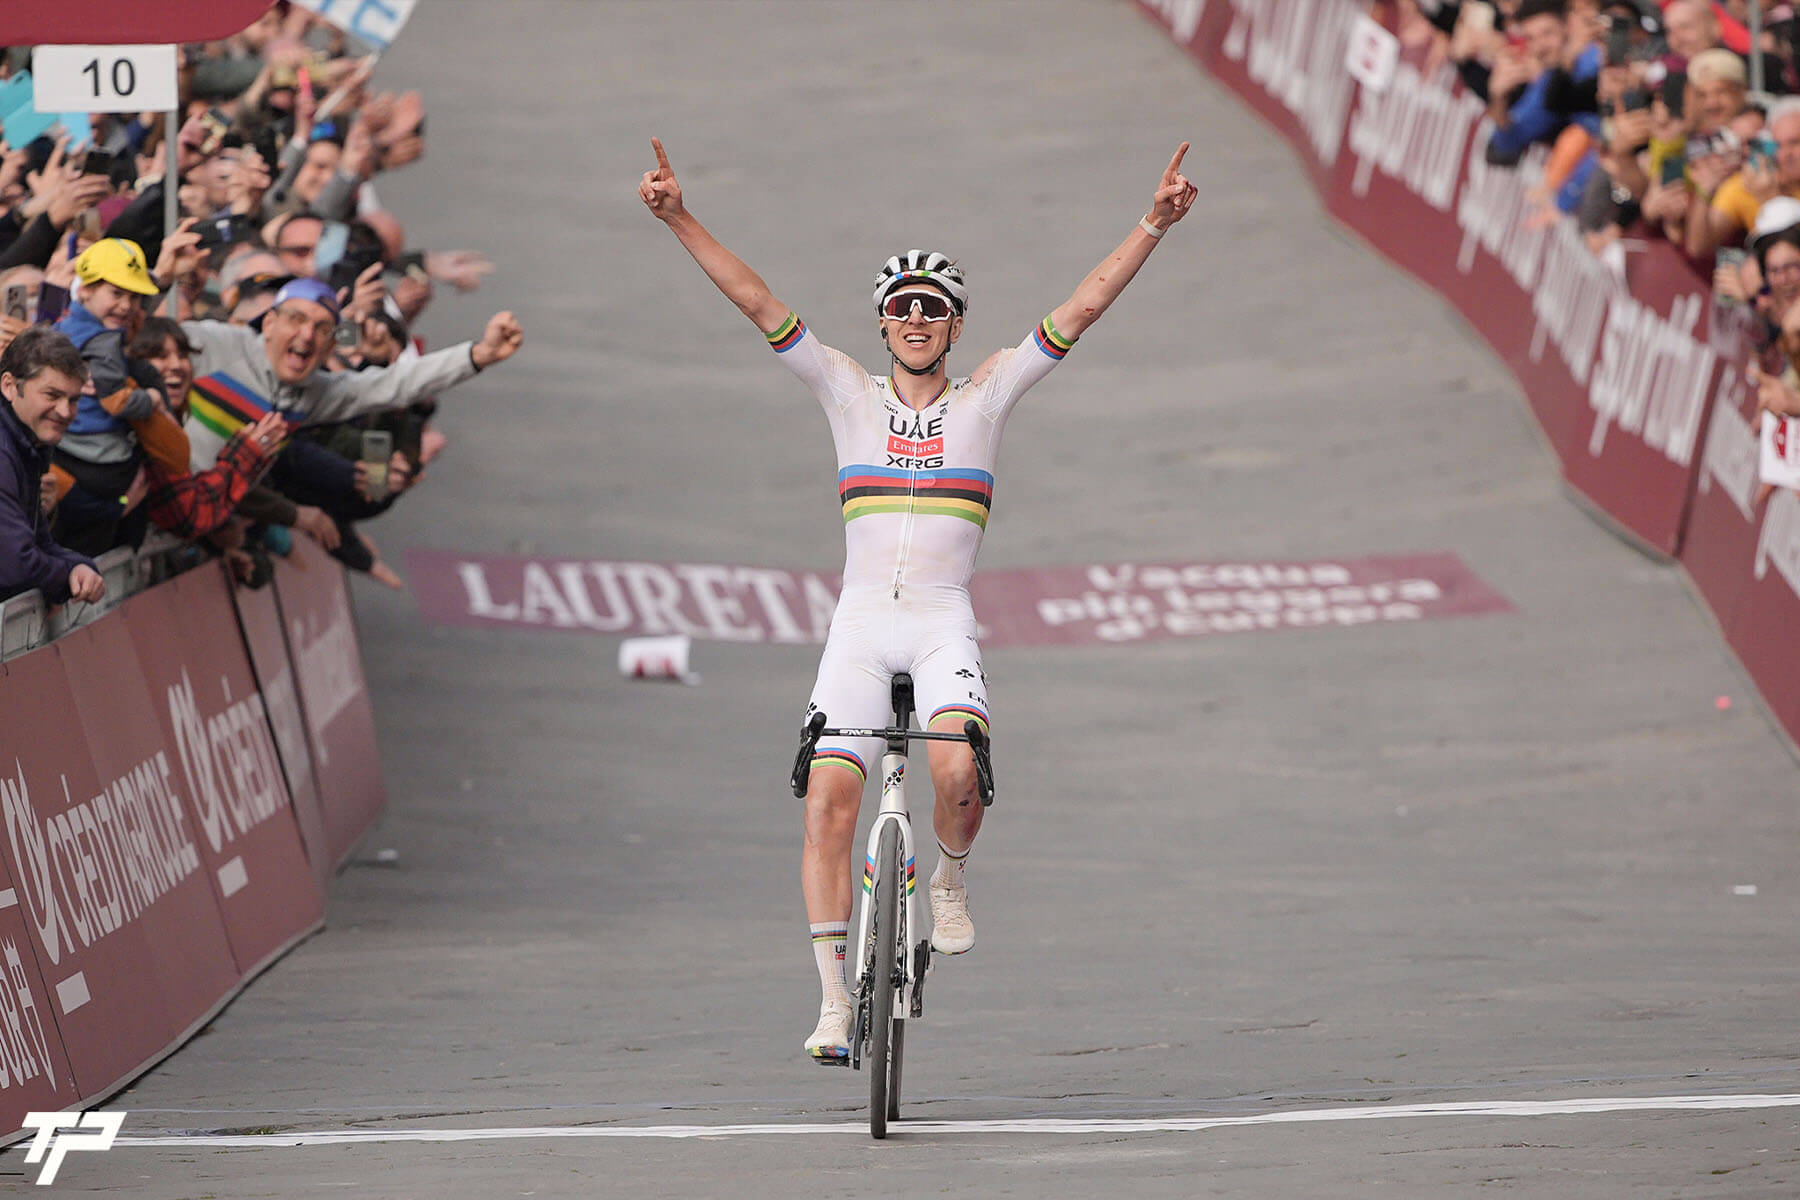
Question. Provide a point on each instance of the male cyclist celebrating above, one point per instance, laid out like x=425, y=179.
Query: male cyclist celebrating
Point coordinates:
x=916, y=454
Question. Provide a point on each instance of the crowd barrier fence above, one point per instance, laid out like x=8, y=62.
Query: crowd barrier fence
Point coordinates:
x=1634, y=375
x=186, y=767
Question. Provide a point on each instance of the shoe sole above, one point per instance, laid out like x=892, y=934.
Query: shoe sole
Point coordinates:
x=832, y=1056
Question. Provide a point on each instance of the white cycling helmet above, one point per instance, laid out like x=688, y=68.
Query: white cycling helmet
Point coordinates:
x=922, y=266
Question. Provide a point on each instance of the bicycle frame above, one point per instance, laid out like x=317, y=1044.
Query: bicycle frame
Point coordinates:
x=910, y=919
x=914, y=965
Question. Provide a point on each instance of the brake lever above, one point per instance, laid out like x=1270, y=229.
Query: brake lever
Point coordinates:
x=984, y=765
x=809, y=741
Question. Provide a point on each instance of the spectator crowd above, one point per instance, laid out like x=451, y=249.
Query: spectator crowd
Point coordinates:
x=1651, y=128
x=249, y=376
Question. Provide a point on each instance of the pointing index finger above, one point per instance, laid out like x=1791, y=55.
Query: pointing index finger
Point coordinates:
x=1175, y=162
x=662, y=158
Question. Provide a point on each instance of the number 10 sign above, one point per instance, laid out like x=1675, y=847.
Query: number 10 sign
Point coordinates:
x=103, y=78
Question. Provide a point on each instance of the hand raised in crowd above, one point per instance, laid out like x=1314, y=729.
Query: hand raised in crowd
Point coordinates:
x=266, y=436
x=249, y=180
x=1772, y=393
x=1475, y=38
x=360, y=155
x=47, y=490
x=365, y=298
x=10, y=328
x=658, y=189
x=400, y=140
x=316, y=525
x=1666, y=202
x=86, y=585
x=12, y=164
x=461, y=269
x=1728, y=282
x=75, y=196
x=181, y=253
x=188, y=142
x=1630, y=129
x=43, y=183
x=400, y=476
x=1708, y=171
x=499, y=341
x=411, y=295
x=1761, y=181
x=1514, y=70
x=1174, y=195
x=60, y=271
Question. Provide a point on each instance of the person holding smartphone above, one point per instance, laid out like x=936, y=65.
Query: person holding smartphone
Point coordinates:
x=1770, y=167
x=1518, y=89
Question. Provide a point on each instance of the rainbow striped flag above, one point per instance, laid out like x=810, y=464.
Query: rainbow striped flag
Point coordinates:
x=224, y=405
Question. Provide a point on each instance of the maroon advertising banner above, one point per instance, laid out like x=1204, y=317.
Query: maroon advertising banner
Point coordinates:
x=215, y=724
x=1109, y=602
x=34, y=1068
x=314, y=600
x=105, y=859
x=259, y=619
x=1743, y=553
x=77, y=22
x=1611, y=351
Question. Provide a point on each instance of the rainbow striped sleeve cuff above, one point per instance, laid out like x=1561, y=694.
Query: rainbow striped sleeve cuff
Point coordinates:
x=1052, y=343
x=788, y=335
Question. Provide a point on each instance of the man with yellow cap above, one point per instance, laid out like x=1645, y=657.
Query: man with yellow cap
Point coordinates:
x=118, y=420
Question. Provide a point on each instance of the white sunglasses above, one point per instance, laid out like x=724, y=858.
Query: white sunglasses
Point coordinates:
x=930, y=305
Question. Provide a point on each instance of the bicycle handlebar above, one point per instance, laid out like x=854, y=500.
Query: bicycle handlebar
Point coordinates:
x=972, y=733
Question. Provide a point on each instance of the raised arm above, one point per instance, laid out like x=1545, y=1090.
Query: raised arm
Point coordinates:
x=729, y=273
x=1173, y=197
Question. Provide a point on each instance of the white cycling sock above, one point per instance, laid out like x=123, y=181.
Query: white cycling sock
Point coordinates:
x=828, y=941
x=950, y=866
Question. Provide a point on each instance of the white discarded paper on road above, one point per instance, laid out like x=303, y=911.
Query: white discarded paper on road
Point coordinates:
x=664, y=658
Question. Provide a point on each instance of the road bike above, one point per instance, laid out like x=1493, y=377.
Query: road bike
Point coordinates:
x=894, y=937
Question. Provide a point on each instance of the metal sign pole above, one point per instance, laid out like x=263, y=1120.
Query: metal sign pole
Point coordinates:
x=171, y=195
x=1756, y=54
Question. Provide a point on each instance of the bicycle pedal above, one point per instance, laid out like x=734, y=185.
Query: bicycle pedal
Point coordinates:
x=832, y=1060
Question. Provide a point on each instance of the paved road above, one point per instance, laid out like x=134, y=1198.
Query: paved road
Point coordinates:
x=1481, y=860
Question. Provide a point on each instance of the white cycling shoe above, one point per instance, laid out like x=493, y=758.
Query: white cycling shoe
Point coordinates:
x=951, y=930
x=829, y=1044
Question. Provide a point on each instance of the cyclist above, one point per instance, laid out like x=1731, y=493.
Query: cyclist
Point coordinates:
x=916, y=453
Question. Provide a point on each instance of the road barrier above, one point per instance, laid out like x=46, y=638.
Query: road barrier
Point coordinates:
x=183, y=772
x=1633, y=374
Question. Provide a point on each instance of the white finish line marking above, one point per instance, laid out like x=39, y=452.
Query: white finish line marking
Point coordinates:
x=1048, y=1126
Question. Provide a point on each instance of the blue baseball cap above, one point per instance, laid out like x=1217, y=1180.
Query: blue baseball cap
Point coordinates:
x=306, y=288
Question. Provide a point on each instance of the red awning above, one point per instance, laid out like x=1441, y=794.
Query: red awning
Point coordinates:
x=80, y=22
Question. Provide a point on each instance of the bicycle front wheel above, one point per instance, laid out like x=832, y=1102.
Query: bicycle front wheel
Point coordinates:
x=886, y=935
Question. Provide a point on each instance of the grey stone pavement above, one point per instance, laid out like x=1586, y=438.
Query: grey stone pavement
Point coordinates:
x=1483, y=859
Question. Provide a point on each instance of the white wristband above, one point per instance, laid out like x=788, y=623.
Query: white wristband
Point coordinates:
x=1145, y=225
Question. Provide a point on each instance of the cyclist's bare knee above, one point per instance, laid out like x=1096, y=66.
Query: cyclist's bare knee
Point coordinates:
x=833, y=796
x=953, y=772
